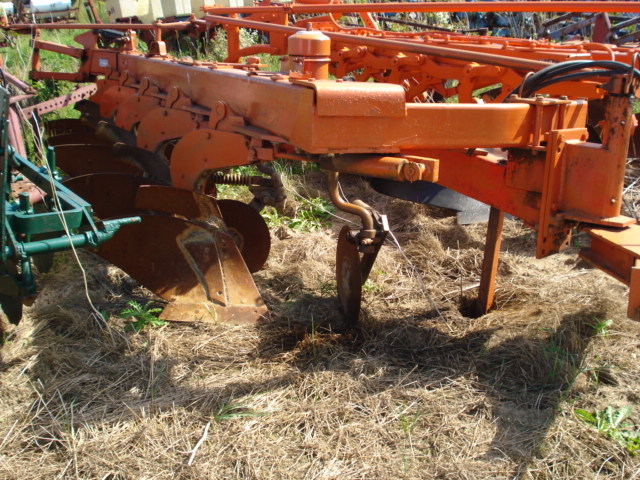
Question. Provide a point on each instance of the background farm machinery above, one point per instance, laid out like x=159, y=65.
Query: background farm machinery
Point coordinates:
x=540, y=131
x=38, y=10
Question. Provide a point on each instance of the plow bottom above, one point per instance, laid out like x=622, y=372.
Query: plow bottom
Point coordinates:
x=199, y=270
x=182, y=250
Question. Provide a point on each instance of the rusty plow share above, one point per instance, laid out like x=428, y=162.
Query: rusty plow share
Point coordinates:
x=190, y=249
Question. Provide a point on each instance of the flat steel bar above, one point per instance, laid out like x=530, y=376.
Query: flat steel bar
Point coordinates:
x=61, y=101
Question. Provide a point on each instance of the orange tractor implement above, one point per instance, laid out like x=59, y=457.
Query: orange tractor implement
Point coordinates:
x=547, y=142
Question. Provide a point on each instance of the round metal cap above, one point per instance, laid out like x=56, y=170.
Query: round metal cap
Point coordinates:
x=309, y=43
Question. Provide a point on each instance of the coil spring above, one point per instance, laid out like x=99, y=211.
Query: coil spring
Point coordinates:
x=220, y=178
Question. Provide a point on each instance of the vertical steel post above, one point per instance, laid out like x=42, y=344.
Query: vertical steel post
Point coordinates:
x=486, y=293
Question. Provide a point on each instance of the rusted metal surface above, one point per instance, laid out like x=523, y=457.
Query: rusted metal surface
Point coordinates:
x=62, y=101
x=111, y=195
x=63, y=126
x=84, y=159
x=486, y=292
x=16, y=139
x=77, y=139
x=15, y=81
x=204, y=278
x=382, y=43
x=182, y=251
x=348, y=276
x=179, y=202
x=505, y=6
x=248, y=229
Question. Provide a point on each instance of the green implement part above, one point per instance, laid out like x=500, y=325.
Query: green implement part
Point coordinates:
x=44, y=218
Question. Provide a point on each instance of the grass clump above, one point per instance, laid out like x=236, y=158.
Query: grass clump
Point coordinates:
x=311, y=214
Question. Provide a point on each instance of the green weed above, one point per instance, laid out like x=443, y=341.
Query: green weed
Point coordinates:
x=563, y=364
x=144, y=315
x=601, y=327
x=290, y=168
x=328, y=289
x=372, y=288
x=408, y=422
x=612, y=423
x=273, y=218
x=312, y=214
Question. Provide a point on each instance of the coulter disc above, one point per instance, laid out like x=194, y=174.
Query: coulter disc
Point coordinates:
x=187, y=204
x=10, y=293
x=249, y=230
x=152, y=164
x=83, y=159
x=63, y=126
x=111, y=195
x=12, y=308
x=77, y=139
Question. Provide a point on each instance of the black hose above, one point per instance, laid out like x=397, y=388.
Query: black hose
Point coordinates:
x=547, y=75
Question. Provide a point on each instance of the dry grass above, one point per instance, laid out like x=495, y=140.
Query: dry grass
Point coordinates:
x=408, y=393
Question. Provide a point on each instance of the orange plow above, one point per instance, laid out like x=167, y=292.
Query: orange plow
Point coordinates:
x=540, y=131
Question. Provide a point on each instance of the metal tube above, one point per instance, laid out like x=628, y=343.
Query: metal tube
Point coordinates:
x=101, y=26
x=341, y=204
x=15, y=81
x=89, y=238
